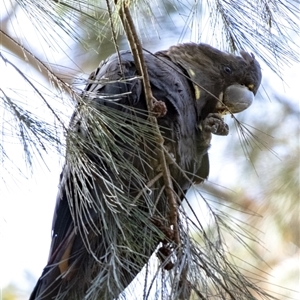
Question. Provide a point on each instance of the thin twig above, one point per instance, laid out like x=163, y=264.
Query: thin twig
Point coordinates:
x=113, y=33
x=66, y=86
x=32, y=85
x=146, y=188
x=137, y=52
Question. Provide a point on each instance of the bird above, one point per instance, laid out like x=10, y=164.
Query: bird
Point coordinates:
x=112, y=209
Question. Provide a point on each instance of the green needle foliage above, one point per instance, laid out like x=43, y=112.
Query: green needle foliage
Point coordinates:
x=203, y=264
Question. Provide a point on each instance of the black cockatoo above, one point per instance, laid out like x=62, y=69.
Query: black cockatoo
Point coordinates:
x=112, y=204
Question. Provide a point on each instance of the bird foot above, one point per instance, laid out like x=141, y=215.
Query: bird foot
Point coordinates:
x=165, y=252
x=159, y=108
x=214, y=123
x=166, y=230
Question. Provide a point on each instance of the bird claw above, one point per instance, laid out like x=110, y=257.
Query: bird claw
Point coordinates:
x=159, y=108
x=214, y=123
x=164, y=254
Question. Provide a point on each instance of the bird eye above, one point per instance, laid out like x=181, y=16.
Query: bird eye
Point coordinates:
x=227, y=70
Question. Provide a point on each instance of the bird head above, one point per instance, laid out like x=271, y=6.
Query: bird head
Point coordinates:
x=223, y=82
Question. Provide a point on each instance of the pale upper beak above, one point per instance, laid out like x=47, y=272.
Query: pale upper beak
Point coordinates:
x=235, y=99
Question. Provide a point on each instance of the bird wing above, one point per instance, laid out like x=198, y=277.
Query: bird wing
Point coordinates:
x=111, y=187
x=92, y=236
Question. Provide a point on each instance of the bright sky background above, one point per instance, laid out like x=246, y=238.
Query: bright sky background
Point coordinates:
x=27, y=204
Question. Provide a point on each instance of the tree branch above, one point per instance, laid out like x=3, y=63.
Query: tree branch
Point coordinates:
x=137, y=52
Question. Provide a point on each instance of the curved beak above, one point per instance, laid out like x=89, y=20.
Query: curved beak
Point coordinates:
x=236, y=98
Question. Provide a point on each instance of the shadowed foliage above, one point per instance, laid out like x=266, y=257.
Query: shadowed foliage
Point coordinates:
x=112, y=180
x=112, y=151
